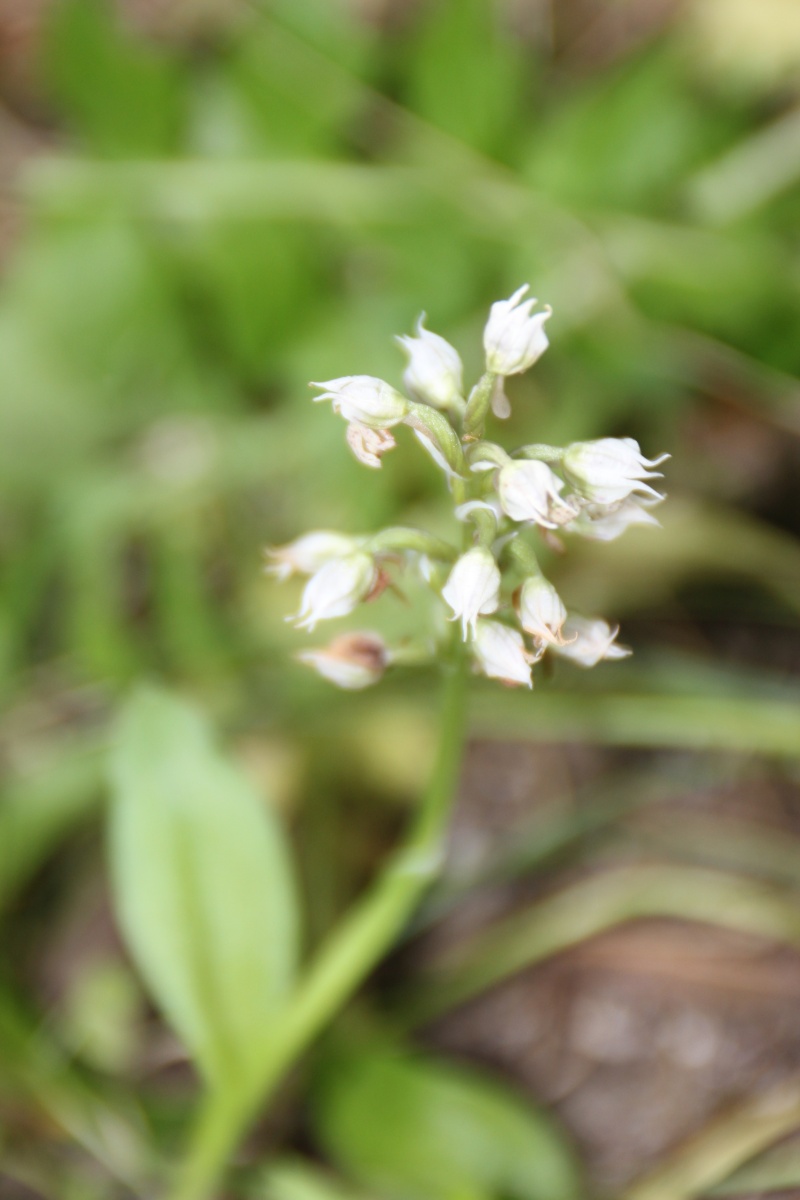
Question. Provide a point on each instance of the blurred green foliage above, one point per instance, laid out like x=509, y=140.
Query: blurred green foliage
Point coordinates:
x=264, y=197
x=406, y=1127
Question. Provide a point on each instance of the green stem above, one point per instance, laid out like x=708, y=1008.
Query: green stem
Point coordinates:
x=478, y=407
x=542, y=452
x=523, y=555
x=343, y=962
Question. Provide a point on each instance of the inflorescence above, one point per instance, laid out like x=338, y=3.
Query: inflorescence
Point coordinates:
x=594, y=489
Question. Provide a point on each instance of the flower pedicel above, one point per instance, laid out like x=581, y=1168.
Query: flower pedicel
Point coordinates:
x=510, y=614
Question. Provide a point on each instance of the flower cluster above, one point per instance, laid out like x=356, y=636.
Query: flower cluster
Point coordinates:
x=510, y=615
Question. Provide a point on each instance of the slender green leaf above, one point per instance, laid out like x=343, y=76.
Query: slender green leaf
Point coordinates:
x=37, y=809
x=589, y=907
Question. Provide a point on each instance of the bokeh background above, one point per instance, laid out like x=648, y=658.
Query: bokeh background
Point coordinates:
x=203, y=205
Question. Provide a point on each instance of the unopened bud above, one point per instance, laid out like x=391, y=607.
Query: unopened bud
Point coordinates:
x=336, y=589
x=500, y=653
x=473, y=588
x=541, y=610
x=434, y=372
x=514, y=337
x=352, y=661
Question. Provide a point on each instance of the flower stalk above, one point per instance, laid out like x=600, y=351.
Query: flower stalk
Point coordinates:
x=344, y=961
x=592, y=489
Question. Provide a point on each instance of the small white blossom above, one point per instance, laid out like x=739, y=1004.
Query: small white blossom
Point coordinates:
x=541, y=611
x=604, y=524
x=473, y=588
x=336, y=589
x=501, y=654
x=588, y=640
x=596, y=489
x=365, y=399
x=608, y=470
x=514, y=337
x=530, y=491
x=369, y=445
x=352, y=661
x=308, y=553
x=434, y=372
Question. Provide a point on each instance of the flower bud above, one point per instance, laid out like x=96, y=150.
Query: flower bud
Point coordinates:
x=530, y=491
x=352, y=661
x=604, y=524
x=514, y=337
x=473, y=587
x=308, y=553
x=365, y=399
x=588, y=640
x=608, y=470
x=500, y=653
x=434, y=372
x=541, y=610
x=336, y=589
x=369, y=445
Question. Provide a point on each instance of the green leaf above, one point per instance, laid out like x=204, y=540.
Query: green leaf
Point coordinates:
x=776, y=1168
x=202, y=883
x=124, y=96
x=624, y=137
x=40, y=806
x=467, y=73
x=415, y=1128
x=295, y=1179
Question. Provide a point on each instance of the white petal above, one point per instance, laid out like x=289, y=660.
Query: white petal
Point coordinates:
x=473, y=587
x=336, y=589
x=587, y=641
x=308, y=553
x=500, y=653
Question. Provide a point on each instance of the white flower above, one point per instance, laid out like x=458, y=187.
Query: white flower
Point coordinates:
x=434, y=372
x=365, y=399
x=308, y=553
x=501, y=654
x=473, y=587
x=351, y=661
x=530, y=491
x=336, y=588
x=588, y=640
x=541, y=610
x=610, y=469
x=369, y=445
x=604, y=524
x=514, y=337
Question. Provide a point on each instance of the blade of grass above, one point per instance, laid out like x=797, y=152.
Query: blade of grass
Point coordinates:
x=592, y=906
x=727, y=1142
x=746, y=726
